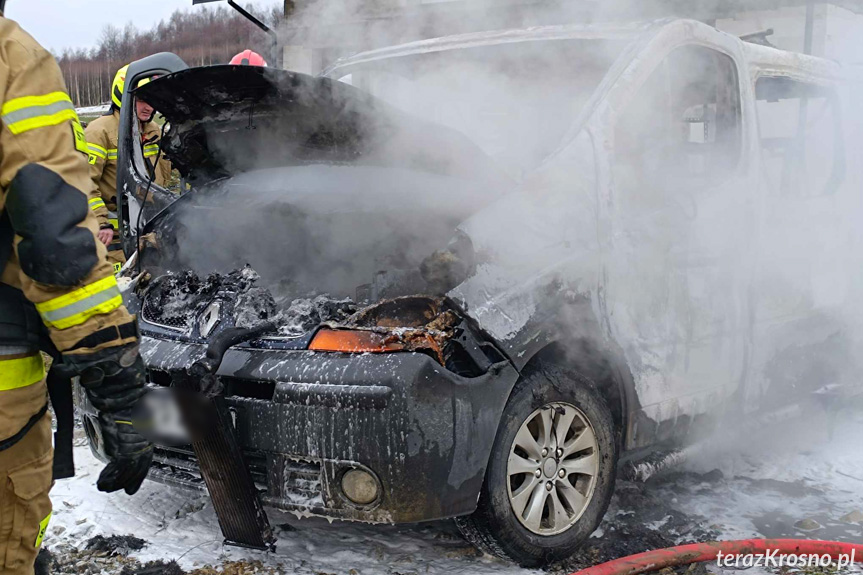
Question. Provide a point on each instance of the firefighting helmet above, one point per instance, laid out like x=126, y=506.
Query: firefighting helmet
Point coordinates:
x=248, y=58
x=119, y=84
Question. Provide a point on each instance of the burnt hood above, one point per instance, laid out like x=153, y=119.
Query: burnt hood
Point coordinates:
x=226, y=120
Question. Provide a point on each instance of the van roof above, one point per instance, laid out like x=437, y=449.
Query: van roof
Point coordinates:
x=761, y=59
x=767, y=61
x=495, y=37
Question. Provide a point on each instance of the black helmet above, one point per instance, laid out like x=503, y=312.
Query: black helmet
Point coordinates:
x=2, y=5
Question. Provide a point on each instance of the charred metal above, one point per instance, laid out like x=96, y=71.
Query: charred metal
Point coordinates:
x=304, y=418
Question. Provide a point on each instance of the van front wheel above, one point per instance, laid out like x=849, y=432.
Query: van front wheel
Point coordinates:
x=551, y=473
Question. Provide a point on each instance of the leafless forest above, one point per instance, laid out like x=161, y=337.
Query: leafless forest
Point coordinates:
x=201, y=36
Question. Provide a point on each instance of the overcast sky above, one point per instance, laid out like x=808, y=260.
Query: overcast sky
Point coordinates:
x=59, y=24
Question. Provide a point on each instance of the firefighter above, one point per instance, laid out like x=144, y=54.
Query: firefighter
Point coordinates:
x=102, y=135
x=54, y=281
x=248, y=58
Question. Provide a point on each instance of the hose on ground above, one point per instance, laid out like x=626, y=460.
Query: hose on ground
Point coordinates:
x=657, y=559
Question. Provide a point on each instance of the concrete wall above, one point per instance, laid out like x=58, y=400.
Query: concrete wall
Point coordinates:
x=844, y=38
x=302, y=59
x=837, y=32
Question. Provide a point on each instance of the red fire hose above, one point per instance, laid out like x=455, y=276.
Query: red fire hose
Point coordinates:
x=685, y=554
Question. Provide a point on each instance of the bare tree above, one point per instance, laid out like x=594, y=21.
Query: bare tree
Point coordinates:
x=201, y=36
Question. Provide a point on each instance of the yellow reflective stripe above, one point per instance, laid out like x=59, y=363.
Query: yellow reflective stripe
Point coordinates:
x=112, y=153
x=151, y=150
x=21, y=372
x=43, y=526
x=80, y=138
x=97, y=203
x=31, y=112
x=76, y=307
x=114, y=222
x=23, y=105
x=97, y=150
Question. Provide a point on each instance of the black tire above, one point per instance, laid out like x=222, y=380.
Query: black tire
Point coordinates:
x=493, y=527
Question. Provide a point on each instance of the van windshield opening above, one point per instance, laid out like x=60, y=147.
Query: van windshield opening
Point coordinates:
x=515, y=101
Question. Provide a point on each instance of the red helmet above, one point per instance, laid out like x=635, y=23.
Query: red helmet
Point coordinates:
x=248, y=58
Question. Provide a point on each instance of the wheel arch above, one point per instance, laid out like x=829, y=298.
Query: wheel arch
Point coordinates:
x=600, y=363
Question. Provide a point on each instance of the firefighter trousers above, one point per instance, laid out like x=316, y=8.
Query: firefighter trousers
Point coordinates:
x=25, y=508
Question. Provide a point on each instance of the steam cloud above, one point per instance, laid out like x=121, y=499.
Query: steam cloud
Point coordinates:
x=711, y=237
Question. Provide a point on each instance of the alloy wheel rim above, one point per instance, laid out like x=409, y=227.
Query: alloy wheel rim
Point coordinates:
x=552, y=468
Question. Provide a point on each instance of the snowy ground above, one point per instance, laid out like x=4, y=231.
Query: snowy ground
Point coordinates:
x=761, y=489
x=93, y=110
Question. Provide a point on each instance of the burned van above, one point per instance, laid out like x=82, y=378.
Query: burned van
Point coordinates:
x=495, y=267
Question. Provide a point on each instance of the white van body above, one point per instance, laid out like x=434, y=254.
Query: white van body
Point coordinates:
x=725, y=272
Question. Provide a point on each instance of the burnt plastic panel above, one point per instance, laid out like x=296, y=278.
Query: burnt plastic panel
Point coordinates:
x=424, y=432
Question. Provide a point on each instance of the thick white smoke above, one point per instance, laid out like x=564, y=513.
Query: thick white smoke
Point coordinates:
x=710, y=218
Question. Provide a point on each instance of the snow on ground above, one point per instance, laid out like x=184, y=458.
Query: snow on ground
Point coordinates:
x=784, y=476
x=93, y=110
x=181, y=526
x=789, y=474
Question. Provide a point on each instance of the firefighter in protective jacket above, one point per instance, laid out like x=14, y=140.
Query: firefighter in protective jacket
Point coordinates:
x=102, y=136
x=56, y=289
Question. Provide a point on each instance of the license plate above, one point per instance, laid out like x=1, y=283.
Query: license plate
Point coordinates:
x=168, y=426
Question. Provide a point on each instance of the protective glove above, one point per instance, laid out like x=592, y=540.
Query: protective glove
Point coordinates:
x=115, y=384
x=130, y=453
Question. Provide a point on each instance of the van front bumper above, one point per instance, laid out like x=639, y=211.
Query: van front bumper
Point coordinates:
x=305, y=418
